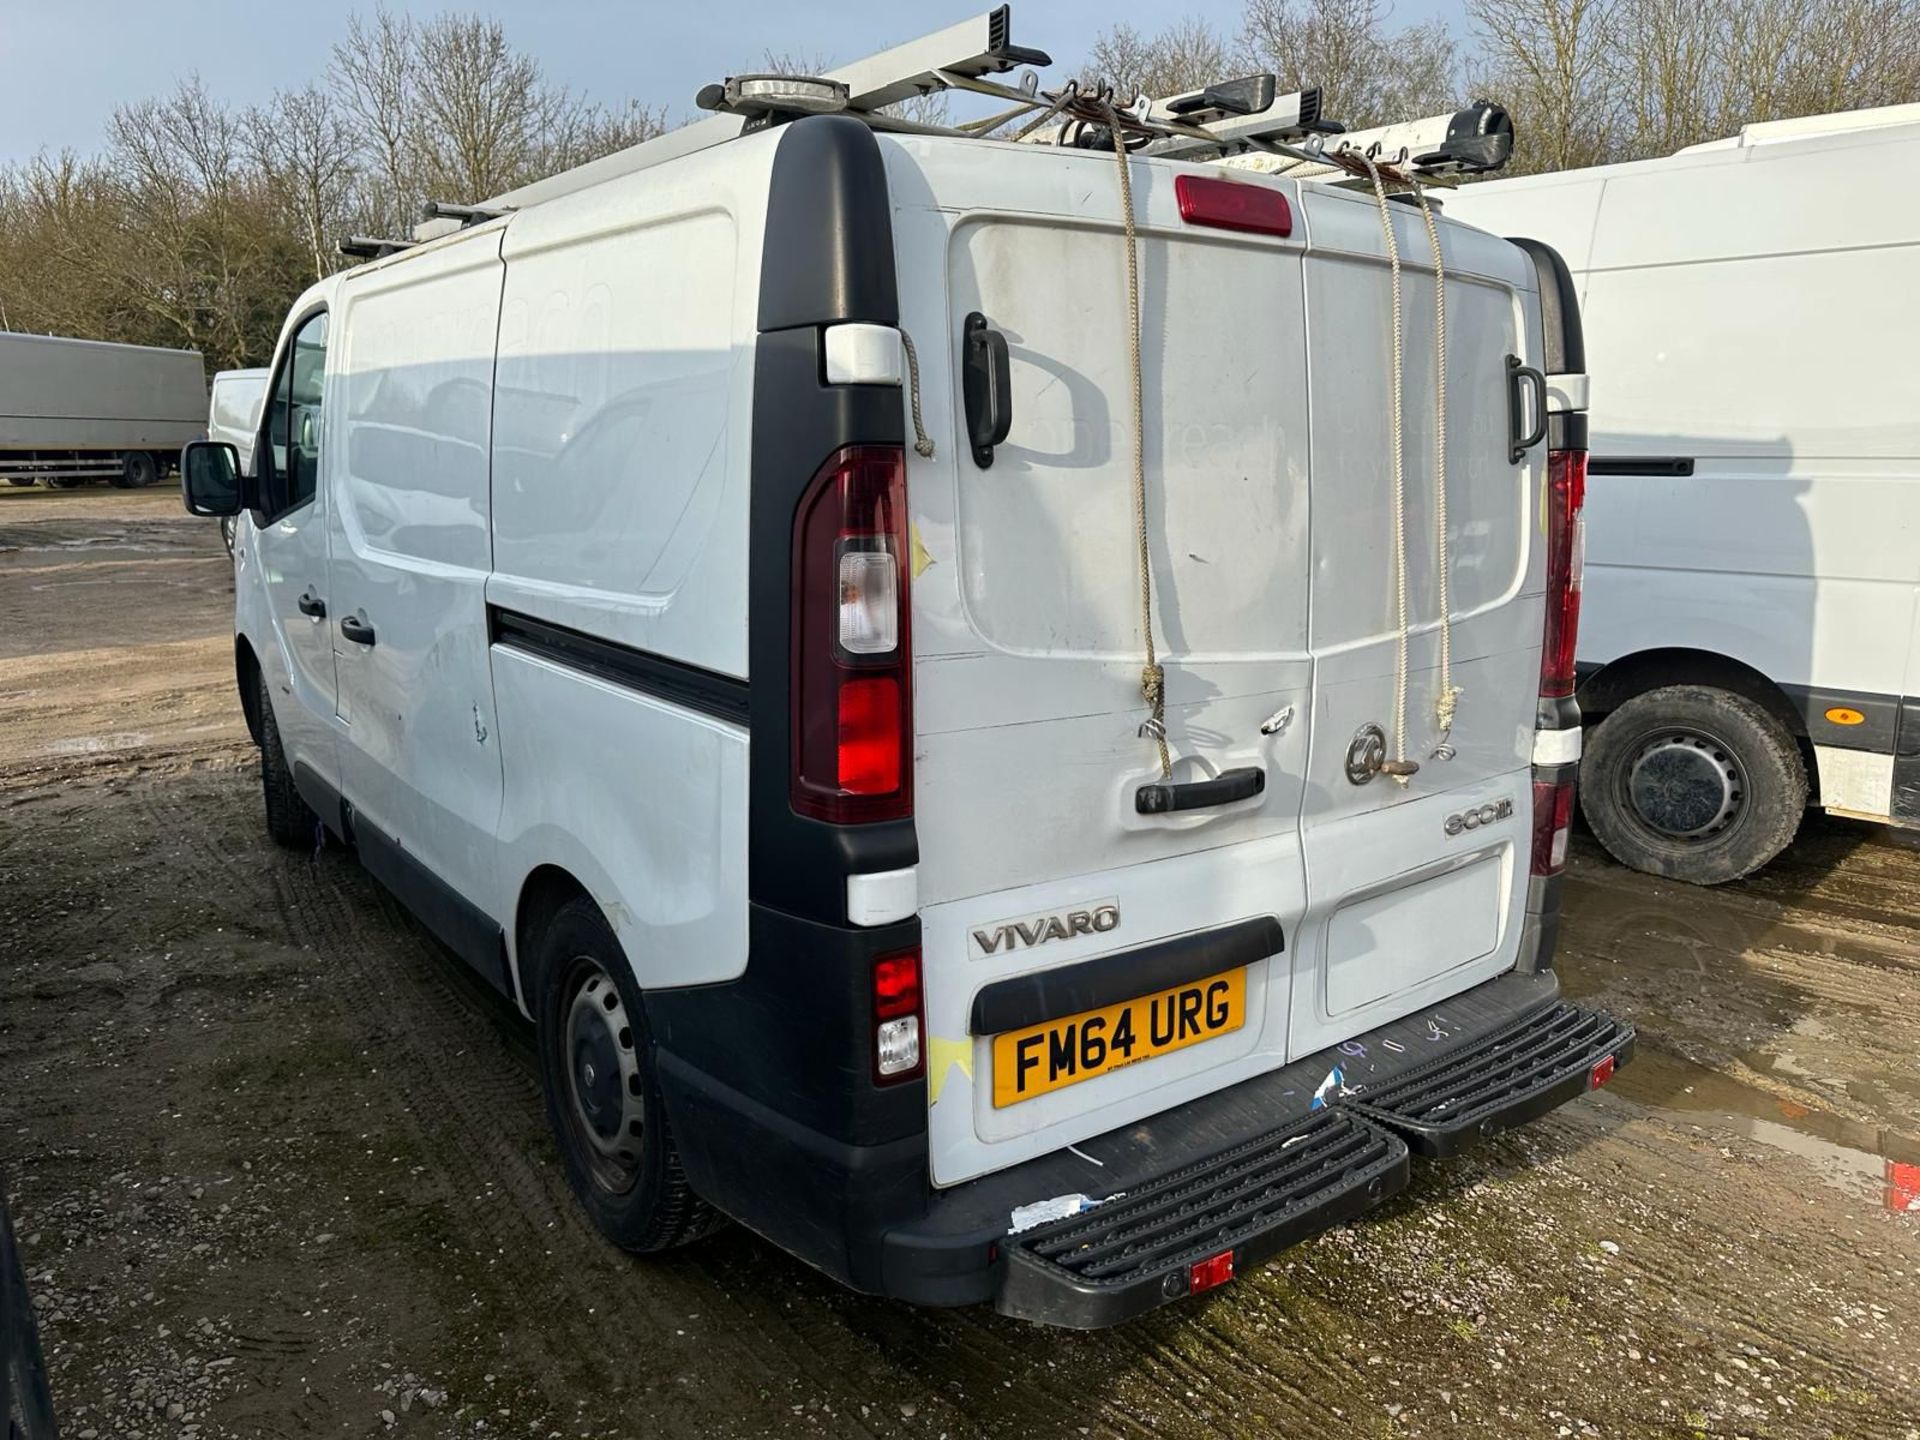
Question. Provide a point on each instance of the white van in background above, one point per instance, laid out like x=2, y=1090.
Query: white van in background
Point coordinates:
x=233, y=415
x=1749, y=641
x=707, y=588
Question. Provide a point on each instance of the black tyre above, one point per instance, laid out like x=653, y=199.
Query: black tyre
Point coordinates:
x=229, y=527
x=26, y=1408
x=290, y=820
x=1693, y=783
x=137, y=470
x=22, y=480
x=603, y=1101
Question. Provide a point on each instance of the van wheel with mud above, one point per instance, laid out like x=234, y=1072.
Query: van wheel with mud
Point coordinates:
x=603, y=1101
x=1692, y=783
x=290, y=820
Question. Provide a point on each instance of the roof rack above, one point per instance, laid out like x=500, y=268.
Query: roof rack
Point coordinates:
x=1244, y=117
x=371, y=247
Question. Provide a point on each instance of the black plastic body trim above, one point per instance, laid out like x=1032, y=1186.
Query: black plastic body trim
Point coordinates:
x=829, y=246
x=721, y=696
x=461, y=925
x=1878, y=730
x=1640, y=465
x=1125, y=975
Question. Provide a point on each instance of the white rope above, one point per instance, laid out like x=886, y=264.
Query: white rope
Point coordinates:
x=1447, y=700
x=1153, y=680
x=922, y=442
x=1397, y=765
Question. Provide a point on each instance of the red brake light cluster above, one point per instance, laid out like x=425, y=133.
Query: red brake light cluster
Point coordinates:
x=852, y=650
x=1232, y=205
x=1566, y=559
x=1552, y=825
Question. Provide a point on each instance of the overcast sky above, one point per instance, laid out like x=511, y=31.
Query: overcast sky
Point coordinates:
x=64, y=64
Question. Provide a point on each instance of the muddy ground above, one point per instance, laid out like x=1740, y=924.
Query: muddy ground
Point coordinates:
x=281, y=1170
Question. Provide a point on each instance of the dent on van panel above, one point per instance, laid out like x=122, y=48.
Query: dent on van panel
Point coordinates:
x=611, y=467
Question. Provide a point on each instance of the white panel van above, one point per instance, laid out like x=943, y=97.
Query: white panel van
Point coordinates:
x=709, y=593
x=1753, y=545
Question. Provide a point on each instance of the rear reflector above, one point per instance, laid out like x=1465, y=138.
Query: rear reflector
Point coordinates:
x=1552, y=825
x=1601, y=1073
x=1212, y=1271
x=1229, y=205
x=896, y=1011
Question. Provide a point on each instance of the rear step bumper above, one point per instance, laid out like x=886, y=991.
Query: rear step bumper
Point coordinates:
x=1151, y=1245
x=1227, y=1180
x=1507, y=1079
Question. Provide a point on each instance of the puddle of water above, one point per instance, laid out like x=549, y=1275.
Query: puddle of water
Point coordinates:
x=91, y=744
x=1851, y=1155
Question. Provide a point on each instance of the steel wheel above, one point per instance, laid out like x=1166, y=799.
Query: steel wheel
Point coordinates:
x=1686, y=786
x=606, y=1097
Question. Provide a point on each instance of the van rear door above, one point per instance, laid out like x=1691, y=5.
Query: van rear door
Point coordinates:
x=1418, y=890
x=1035, y=856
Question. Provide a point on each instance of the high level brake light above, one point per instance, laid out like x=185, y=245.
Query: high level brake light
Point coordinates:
x=1232, y=205
x=852, y=649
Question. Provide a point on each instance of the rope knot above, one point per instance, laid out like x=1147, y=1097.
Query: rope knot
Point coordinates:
x=1153, y=689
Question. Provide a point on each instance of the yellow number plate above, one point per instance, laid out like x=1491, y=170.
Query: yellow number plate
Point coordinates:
x=1064, y=1052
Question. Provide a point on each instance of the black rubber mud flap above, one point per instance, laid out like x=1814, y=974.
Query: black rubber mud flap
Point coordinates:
x=1225, y=1214
x=1516, y=1074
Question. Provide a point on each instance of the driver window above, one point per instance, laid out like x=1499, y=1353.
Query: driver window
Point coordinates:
x=293, y=417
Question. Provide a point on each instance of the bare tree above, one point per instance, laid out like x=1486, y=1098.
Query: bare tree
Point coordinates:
x=1189, y=55
x=1552, y=63
x=1370, y=73
x=308, y=154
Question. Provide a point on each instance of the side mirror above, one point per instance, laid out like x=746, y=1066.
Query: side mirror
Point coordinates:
x=210, y=478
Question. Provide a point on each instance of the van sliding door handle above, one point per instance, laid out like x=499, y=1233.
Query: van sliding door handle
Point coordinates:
x=1164, y=797
x=1520, y=441
x=356, y=629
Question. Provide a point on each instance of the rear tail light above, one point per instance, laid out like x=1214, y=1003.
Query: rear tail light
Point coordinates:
x=897, y=1011
x=1552, y=825
x=852, y=651
x=1566, y=559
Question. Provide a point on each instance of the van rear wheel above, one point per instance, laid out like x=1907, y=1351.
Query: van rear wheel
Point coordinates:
x=1692, y=783
x=603, y=1100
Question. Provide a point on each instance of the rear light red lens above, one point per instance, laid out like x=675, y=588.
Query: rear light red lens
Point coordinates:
x=869, y=738
x=852, y=691
x=896, y=985
x=1566, y=559
x=1552, y=825
x=1214, y=1270
x=898, y=1018
x=1230, y=205
x=1601, y=1072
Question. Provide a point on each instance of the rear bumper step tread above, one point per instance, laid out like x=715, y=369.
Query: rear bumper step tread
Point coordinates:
x=1136, y=1250
x=1512, y=1076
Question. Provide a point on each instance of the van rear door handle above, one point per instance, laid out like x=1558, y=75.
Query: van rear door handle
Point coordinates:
x=986, y=387
x=1519, y=439
x=1164, y=797
x=356, y=629
x=311, y=604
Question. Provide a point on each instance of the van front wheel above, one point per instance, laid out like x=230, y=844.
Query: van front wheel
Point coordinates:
x=1693, y=784
x=290, y=820
x=603, y=1101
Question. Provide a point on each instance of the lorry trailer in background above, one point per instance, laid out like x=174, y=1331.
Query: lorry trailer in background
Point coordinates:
x=78, y=410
